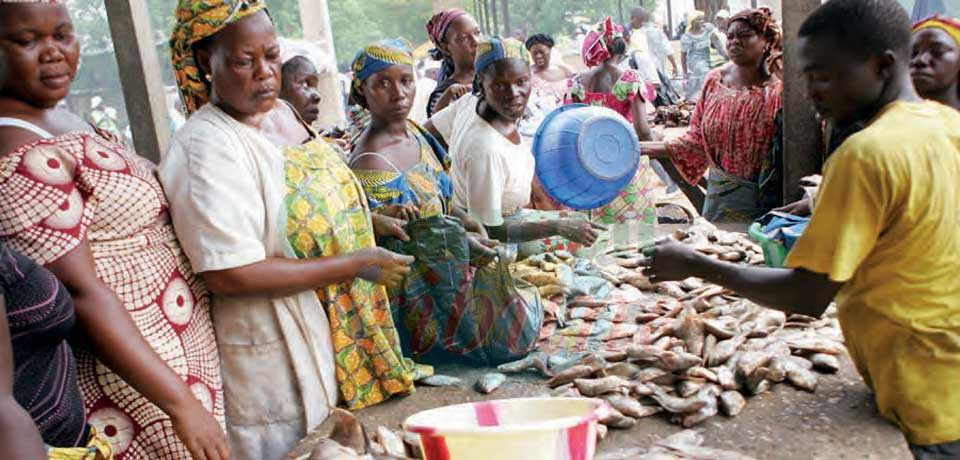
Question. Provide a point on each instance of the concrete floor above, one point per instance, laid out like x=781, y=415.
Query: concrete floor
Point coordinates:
x=839, y=421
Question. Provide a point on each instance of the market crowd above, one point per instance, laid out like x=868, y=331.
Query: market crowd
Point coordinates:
x=220, y=304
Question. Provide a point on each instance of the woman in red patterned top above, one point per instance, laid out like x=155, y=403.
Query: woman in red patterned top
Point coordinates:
x=732, y=127
x=90, y=211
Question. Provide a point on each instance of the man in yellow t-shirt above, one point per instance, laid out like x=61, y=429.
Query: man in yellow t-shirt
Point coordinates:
x=884, y=237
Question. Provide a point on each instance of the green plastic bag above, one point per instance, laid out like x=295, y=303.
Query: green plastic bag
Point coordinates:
x=448, y=310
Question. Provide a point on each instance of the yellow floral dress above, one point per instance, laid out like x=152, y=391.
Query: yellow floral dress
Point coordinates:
x=327, y=215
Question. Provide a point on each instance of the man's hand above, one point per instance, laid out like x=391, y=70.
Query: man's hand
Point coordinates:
x=668, y=260
x=802, y=208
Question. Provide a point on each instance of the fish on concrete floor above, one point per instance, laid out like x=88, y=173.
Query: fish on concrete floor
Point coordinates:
x=602, y=386
x=569, y=375
x=442, y=381
x=490, y=382
x=732, y=403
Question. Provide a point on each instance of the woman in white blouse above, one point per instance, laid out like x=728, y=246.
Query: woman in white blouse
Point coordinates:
x=492, y=167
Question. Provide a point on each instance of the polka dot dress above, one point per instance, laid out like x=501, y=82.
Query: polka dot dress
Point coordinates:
x=54, y=194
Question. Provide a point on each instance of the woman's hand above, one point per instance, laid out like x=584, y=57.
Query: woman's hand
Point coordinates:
x=482, y=249
x=199, y=431
x=456, y=91
x=579, y=230
x=388, y=268
x=385, y=226
x=405, y=212
x=473, y=225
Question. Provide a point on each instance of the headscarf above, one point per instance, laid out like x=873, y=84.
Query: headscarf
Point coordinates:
x=376, y=57
x=495, y=49
x=694, y=15
x=437, y=28
x=722, y=14
x=762, y=21
x=948, y=25
x=196, y=20
x=596, y=45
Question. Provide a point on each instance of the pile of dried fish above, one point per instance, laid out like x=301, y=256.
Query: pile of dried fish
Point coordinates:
x=685, y=445
x=673, y=116
x=698, y=349
x=349, y=440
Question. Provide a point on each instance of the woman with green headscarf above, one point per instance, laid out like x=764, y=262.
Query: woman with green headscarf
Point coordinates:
x=280, y=230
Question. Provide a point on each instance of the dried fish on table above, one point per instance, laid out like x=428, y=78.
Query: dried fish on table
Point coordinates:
x=690, y=387
x=691, y=284
x=709, y=396
x=779, y=365
x=615, y=419
x=594, y=361
x=677, y=405
x=631, y=407
x=691, y=330
x=732, y=403
x=724, y=351
x=699, y=372
x=614, y=356
x=441, y=381
x=525, y=364
x=673, y=361
x=803, y=379
x=391, y=442
x=671, y=289
x=490, y=382
x=602, y=386
x=723, y=328
x=625, y=370
x=825, y=363
x=750, y=363
x=650, y=374
x=766, y=323
x=815, y=345
x=641, y=389
x=569, y=375
x=565, y=391
x=727, y=378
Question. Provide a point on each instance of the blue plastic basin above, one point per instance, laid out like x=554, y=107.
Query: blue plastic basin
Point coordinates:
x=585, y=155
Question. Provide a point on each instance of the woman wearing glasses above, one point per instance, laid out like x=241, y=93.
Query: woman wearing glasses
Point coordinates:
x=278, y=227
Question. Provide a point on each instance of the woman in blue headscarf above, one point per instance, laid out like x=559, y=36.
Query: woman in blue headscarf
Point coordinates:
x=403, y=169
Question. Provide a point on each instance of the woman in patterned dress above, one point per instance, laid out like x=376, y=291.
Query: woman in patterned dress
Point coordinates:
x=92, y=212
x=279, y=228
x=402, y=167
x=734, y=123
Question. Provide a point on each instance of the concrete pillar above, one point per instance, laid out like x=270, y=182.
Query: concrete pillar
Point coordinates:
x=801, y=133
x=315, y=20
x=140, y=77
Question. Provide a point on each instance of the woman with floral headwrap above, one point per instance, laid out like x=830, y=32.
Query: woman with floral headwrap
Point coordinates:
x=279, y=228
x=455, y=34
x=91, y=212
x=733, y=125
x=492, y=168
x=935, y=66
